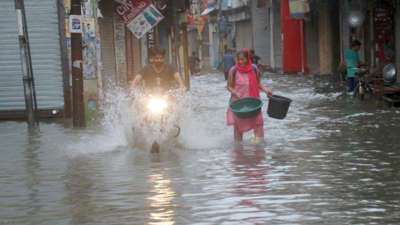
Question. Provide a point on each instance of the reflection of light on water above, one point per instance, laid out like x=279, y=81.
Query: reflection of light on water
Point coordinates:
x=161, y=200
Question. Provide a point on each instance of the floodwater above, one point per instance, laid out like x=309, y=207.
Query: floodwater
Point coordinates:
x=333, y=160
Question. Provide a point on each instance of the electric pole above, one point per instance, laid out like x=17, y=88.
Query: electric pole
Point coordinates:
x=26, y=63
x=77, y=71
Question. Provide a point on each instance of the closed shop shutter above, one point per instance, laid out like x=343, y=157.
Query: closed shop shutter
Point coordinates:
x=133, y=63
x=43, y=28
x=107, y=44
x=244, y=35
x=345, y=26
x=261, y=32
x=277, y=35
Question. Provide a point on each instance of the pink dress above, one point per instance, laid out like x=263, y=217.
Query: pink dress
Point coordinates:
x=242, y=86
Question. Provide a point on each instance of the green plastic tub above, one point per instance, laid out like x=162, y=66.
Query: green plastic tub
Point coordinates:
x=246, y=108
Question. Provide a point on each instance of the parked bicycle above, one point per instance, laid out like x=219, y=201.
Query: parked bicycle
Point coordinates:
x=362, y=91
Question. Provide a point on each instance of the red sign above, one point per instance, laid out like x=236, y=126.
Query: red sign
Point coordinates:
x=139, y=16
x=132, y=9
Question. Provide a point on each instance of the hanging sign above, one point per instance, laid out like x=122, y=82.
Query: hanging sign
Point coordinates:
x=225, y=27
x=139, y=16
x=151, y=42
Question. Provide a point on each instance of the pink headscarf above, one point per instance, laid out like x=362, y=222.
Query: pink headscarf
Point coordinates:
x=253, y=83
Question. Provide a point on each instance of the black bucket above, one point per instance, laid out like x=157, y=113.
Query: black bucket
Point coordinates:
x=278, y=106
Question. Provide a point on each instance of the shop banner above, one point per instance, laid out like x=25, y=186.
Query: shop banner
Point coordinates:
x=225, y=27
x=139, y=16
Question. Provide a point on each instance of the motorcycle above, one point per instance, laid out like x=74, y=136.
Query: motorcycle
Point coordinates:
x=157, y=112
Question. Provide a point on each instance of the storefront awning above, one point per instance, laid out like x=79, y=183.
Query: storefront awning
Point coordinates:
x=208, y=10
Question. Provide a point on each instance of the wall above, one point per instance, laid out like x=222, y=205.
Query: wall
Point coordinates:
x=325, y=39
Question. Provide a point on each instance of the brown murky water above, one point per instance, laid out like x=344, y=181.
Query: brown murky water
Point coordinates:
x=333, y=160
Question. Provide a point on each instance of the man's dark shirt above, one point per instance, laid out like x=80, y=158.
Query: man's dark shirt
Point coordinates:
x=192, y=61
x=255, y=59
x=163, y=79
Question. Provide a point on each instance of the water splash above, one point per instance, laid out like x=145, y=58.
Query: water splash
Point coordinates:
x=200, y=114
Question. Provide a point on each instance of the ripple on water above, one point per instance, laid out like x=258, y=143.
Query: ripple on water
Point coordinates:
x=330, y=161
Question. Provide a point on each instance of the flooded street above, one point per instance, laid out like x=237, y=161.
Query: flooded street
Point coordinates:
x=332, y=160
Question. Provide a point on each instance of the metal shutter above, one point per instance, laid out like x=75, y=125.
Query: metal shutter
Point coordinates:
x=133, y=64
x=107, y=44
x=244, y=35
x=277, y=35
x=261, y=32
x=43, y=29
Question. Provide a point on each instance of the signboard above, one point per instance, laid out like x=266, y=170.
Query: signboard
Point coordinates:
x=151, y=42
x=143, y=48
x=225, y=27
x=139, y=16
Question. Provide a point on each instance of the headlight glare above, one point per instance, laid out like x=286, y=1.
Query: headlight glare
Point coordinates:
x=157, y=105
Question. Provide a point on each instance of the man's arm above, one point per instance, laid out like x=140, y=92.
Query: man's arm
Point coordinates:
x=198, y=60
x=262, y=61
x=179, y=80
x=136, y=81
x=357, y=59
x=220, y=63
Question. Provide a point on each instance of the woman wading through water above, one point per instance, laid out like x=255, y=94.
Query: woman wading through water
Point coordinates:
x=247, y=84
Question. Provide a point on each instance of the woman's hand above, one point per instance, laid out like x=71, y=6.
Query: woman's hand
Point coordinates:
x=268, y=92
x=239, y=96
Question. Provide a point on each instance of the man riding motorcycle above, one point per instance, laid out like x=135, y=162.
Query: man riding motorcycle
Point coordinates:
x=159, y=73
x=159, y=78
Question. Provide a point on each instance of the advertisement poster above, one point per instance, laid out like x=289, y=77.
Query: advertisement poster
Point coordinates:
x=75, y=24
x=211, y=53
x=89, y=58
x=139, y=16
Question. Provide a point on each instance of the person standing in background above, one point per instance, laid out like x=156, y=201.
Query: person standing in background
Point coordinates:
x=192, y=63
x=352, y=61
x=229, y=61
x=255, y=58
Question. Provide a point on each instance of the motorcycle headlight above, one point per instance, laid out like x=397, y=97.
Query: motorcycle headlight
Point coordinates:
x=157, y=105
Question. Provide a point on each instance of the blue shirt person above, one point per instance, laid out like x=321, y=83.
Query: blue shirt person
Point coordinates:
x=229, y=61
x=352, y=61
